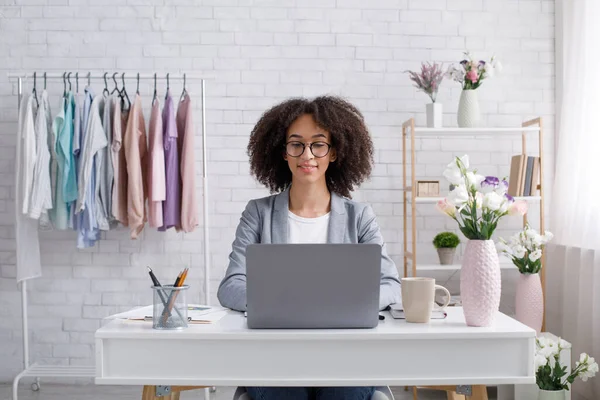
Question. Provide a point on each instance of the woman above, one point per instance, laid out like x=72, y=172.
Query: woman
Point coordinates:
x=312, y=153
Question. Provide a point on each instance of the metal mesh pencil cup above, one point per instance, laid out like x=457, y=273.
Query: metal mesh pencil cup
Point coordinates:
x=169, y=307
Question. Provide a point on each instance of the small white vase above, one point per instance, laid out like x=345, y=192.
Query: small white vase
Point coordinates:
x=434, y=115
x=551, y=395
x=468, y=109
x=480, y=283
x=529, y=301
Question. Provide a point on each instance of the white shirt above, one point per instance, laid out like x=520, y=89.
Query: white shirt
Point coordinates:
x=307, y=230
x=41, y=193
x=26, y=232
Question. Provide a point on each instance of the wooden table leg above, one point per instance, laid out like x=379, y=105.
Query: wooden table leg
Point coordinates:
x=452, y=395
x=479, y=393
x=149, y=392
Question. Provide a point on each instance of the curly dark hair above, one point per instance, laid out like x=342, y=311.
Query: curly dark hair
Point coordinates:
x=350, y=138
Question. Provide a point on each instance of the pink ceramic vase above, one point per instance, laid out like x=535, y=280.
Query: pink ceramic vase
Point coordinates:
x=480, y=283
x=529, y=301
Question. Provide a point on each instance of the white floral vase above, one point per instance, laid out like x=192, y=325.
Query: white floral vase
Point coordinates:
x=468, y=109
x=551, y=395
x=529, y=301
x=480, y=283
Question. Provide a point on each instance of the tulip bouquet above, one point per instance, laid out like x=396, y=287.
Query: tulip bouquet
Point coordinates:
x=477, y=202
x=525, y=249
x=471, y=73
x=550, y=373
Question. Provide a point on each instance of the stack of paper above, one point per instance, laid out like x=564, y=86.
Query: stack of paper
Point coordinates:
x=197, y=314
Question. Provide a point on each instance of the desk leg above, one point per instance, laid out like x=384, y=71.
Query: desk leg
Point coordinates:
x=479, y=393
x=149, y=392
x=415, y=395
x=452, y=395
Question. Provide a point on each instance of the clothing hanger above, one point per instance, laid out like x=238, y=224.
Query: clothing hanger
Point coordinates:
x=154, y=96
x=124, y=91
x=77, y=82
x=167, y=94
x=184, y=91
x=44, y=81
x=116, y=89
x=69, y=79
x=65, y=84
x=89, y=79
x=137, y=90
x=105, y=91
x=34, y=91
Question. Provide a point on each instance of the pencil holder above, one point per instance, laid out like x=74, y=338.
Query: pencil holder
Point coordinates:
x=169, y=307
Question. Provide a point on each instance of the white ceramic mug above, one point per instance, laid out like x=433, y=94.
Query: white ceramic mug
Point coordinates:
x=418, y=296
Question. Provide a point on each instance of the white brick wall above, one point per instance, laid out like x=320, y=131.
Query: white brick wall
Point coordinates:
x=259, y=52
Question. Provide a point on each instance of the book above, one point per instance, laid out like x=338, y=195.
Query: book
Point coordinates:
x=535, y=177
x=515, y=179
x=528, y=176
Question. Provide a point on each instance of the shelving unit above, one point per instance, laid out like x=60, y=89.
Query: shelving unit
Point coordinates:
x=410, y=198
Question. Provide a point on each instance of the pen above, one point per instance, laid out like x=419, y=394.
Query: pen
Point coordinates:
x=161, y=294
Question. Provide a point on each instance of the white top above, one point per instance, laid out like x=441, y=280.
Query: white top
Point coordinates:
x=41, y=193
x=233, y=326
x=26, y=232
x=307, y=230
x=94, y=141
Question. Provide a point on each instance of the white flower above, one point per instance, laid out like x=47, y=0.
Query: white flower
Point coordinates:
x=498, y=66
x=519, y=251
x=464, y=160
x=589, y=367
x=505, y=204
x=550, y=351
x=492, y=201
x=479, y=200
x=535, y=255
x=459, y=196
x=540, y=360
x=473, y=179
x=547, y=236
x=563, y=344
x=502, y=247
x=488, y=71
x=453, y=175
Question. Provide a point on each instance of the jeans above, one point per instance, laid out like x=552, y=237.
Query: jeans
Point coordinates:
x=310, y=393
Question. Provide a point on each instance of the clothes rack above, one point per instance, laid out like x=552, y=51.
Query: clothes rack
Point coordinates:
x=72, y=371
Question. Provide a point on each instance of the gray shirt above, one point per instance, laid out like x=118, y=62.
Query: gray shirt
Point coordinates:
x=265, y=220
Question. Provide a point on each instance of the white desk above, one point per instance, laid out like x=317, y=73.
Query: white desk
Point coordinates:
x=396, y=353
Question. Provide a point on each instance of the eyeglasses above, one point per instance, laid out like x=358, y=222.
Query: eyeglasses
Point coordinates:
x=318, y=149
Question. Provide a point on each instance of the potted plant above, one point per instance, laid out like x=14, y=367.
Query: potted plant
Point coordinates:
x=477, y=203
x=428, y=81
x=445, y=243
x=525, y=250
x=550, y=376
x=470, y=75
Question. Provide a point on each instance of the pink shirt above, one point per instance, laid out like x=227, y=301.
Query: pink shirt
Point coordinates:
x=156, y=168
x=135, y=154
x=185, y=143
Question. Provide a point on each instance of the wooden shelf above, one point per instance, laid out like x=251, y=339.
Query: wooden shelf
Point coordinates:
x=410, y=199
x=432, y=200
x=482, y=131
x=505, y=263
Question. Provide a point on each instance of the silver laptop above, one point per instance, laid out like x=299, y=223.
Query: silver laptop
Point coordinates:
x=313, y=285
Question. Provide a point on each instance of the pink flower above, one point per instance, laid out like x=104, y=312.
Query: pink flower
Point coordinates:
x=446, y=207
x=472, y=76
x=519, y=207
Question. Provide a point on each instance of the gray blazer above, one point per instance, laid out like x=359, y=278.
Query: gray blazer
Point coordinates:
x=265, y=220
